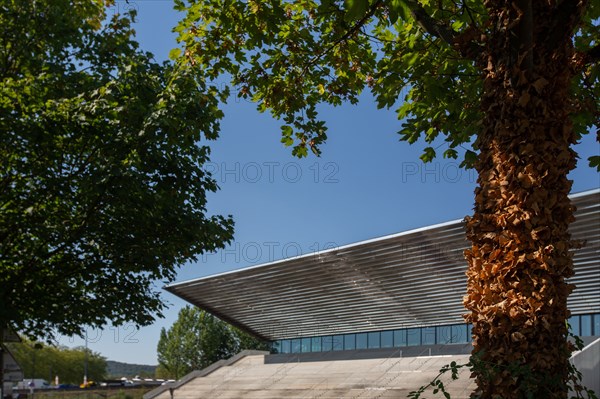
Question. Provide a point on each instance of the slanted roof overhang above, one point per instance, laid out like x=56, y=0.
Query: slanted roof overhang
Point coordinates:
x=410, y=279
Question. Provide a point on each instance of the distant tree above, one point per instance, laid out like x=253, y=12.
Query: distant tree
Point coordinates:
x=47, y=362
x=246, y=341
x=196, y=340
x=116, y=370
x=162, y=373
x=102, y=186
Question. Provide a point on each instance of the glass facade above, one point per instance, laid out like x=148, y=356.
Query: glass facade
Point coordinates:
x=349, y=341
x=428, y=336
x=585, y=325
x=400, y=338
x=374, y=340
x=581, y=325
x=338, y=343
x=315, y=344
x=413, y=336
x=327, y=343
x=387, y=339
x=361, y=341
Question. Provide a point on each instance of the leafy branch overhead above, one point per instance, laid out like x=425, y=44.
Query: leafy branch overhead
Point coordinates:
x=419, y=57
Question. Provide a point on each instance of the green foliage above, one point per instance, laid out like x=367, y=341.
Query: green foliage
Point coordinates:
x=102, y=190
x=116, y=370
x=291, y=56
x=47, y=362
x=198, y=339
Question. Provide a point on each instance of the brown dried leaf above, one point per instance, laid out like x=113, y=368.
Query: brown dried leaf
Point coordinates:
x=540, y=84
x=524, y=99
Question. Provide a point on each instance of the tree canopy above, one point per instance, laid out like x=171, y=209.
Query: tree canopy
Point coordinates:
x=196, y=340
x=420, y=57
x=47, y=362
x=102, y=190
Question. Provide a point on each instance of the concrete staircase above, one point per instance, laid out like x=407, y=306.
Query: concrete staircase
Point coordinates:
x=249, y=376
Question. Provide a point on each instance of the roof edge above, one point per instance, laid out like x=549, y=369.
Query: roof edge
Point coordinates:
x=346, y=246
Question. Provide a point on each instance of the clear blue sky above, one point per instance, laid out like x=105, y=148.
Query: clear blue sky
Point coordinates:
x=366, y=184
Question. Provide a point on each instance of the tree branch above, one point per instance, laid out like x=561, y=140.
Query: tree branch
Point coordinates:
x=431, y=25
x=464, y=42
x=355, y=28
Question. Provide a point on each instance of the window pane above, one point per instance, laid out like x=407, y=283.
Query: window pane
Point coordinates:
x=413, y=336
x=444, y=335
x=327, y=343
x=597, y=324
x=305, y=345
x=361, y=341
x=399, y=338
x=286, y=346
x=427, y=335
x=459, y=334
x=586, y=325
x=469, y=332
x=338, y=342
x=296, y=346
x=349, y=341
x=373, y=340
x=574, y=322
x=387, y=339
x=315, y=343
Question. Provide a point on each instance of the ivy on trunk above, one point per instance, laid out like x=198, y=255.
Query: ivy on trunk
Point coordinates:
x=519, y=262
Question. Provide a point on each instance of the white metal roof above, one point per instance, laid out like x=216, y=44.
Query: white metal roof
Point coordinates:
x=410, y=279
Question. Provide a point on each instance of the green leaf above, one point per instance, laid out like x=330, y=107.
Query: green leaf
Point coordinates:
x=470, y=159
x=175, y=53
x=428, y=154
x=400, y=8
x=595, y=162
x=451, y=153
x=287, y=131
x=355, y=9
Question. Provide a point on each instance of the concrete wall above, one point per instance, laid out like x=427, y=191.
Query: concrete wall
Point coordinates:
x=588, y=363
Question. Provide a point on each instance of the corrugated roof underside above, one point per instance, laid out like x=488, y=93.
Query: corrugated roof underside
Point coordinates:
x=407, y=280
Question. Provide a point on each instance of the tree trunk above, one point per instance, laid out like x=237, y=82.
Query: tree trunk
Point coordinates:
x=520, y=259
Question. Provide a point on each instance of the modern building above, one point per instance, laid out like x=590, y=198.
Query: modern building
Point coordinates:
x=397, y=296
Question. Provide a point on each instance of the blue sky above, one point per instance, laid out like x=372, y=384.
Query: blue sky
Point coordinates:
x=366, y=184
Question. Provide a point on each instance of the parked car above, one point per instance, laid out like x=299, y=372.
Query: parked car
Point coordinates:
x=35, y=383
x=66, y=386
x=88, y=385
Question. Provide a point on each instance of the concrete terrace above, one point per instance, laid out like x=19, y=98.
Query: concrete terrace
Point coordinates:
x=256, y=375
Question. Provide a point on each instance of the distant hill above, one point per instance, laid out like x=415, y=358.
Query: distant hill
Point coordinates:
x=117, y=370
